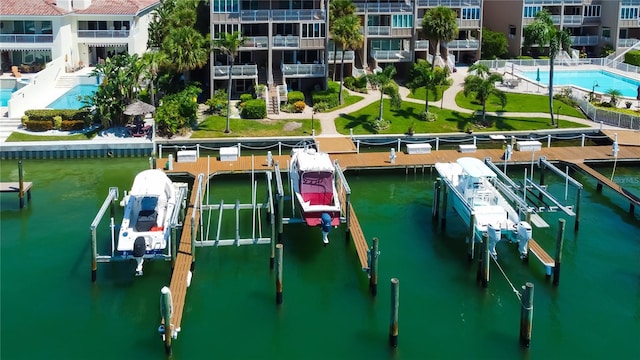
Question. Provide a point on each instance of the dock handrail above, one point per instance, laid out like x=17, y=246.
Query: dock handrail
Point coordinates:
x=113, y=195
x=550, y=166
x=566, y=209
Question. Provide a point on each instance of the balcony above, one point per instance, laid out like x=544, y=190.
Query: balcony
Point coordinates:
x=585, y=40
x=349, y=56
x=26, y=38
x=468, y=23
x=391, y=55
x=553, y=2
x=379, y=30
x=288, y=41
x=303, y=70
x=625, y=43
x=469, y=44
x=238, y=72
x=422, y=45
x=255, y=15
x=572, y=20
x=448, y=3
x=97, y=34
x=255, y=42
x=297, y=15
x=387, y=8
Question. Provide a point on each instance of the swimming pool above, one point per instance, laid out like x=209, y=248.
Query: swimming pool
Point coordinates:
x=586, y=79
x=72, y=99
x=5, y=95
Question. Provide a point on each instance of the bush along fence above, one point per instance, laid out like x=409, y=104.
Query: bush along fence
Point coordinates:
x=614, y=118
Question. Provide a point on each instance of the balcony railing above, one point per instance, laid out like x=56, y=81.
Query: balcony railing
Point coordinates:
x=288, y=41
x=572, y=20
x=282, y=15
x=469, y=44
x=468, y=23
x=255, y=15
x=241, y=71
x=26, y=38
x=303, y=70
x=422, y=45
x=553, y=2
x=448, y=3
x=383, y=7
x=396, y=55
x=585, y=40
x=379, y=30
x=349, y=55
x=627, y=42
x=255, y=42
x=103, y=33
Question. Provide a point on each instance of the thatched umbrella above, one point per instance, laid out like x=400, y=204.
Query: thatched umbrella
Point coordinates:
x=139, y=108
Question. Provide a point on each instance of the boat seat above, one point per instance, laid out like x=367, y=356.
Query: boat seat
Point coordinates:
x=318, y=198
x=146, y=220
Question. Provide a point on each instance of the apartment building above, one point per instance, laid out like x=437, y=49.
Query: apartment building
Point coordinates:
x=593, y=24
x=288, y=41
x=33, y=32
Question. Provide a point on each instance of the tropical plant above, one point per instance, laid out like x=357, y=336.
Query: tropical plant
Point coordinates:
x=439, y=24
x=381, y=80
x=543, y=32
x=152, y=61
x=337, y=10
x=229, y=44
x=177, y=111
x=346, y=31
x=494, y=44
x=187, y=49
x=482, y=85
x=614, y=95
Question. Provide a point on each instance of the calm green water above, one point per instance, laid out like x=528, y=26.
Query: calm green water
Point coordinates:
x=50, y=309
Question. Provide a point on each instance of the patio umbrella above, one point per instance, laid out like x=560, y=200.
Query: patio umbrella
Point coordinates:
x=538, y=75
x=139, y=108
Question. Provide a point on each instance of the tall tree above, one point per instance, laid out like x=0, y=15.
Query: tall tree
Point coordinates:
x=543, y=33
x=494, y=44
x=337, y=10
x=422, y=75
x=439, y=24
x=483, y=85
x=346, y=31
x=152, y=62
x=229, y=44
x=187, y=49
x=381, y=80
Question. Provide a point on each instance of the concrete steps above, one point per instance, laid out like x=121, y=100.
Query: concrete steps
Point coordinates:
x=66, y=82
x=7, y=126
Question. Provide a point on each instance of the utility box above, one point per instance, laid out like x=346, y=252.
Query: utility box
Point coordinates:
x=418, y=149
x=187, y=156
x=229, y=153
x=529, y=145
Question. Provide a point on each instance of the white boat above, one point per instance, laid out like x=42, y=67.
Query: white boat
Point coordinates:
x=472, y=190
x=313, y=183
x=148, y=208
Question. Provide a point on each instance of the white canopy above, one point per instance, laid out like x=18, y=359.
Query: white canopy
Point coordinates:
x=310, y=160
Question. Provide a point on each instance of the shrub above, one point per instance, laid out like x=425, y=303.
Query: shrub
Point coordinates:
x=24, y=120
x=57, y=122
x=218, y=103
x=295, y=96
x=245, y=97
x=68, y=125
x=428, y=116
x=632, y=57
x=255, y=109
x=39, y=125
x=325, y=96
x=48, y=114
x=299, y=106
x=606, y=104
x=524, y=57
x=177, y=111
x=321, y=107
x=381, y=124
x=356, y=84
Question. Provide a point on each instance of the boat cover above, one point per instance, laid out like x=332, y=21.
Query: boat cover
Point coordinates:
x=310, y=160
x=475, y=168
x=150, y=182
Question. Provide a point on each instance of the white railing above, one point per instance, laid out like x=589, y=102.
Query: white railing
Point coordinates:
x=37, y=94
x=627, y=42
x=422, y=45
x=255, y=15
x=286, y=41
x=463, y=44
x=607, y=117
x=585, y=40
x=349, y=55
x=379, y=30
x=282, y=15
x=398, y=55
x=237, y=71
x=572, y=20
x=448, y=3
x=255, y=42
x=303, y=70
x=553, y=2
x=26, y=38
x=372, y=7
x=103, y=33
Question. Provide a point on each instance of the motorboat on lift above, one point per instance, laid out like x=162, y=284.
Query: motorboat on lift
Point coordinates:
x=471, y=182
x=313, y=183
x=148, y=208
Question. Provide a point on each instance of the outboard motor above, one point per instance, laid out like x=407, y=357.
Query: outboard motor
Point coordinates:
x=494, y=234
x=325, y=224
x=524, y=233
x=139, y=248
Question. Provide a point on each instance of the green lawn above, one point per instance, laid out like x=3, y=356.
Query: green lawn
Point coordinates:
x=20, y=136
x=420, y=93
x=448, y=121
x=348, y=100
x=213, y=127
x=519, y=103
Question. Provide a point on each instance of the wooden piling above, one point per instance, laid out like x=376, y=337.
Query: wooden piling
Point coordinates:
x=558, y=259
x=576, y=224
x=280, y=217
x=395, y=304
x=373, y=270
x=21, y=184
x=94, y=255
x=174, y=245
x=436, y=200
x=599, y=187
x=194, y=232
x=166, y=308
x=443, y=211
x=279, y=252
x=483, y=264
x=272, y=257
x=472, y=236
x=526, y=315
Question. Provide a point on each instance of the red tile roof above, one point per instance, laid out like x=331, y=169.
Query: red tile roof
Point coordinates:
x=117, y=7
x=30, y=7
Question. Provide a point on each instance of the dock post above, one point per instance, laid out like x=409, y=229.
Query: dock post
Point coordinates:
x=167, y=309
x=279, y=274
x=526, y=315
x=599, y=187
x=576, y=225
x=436, y=200
x=443, y=211
x=21, y=184
x=194, y=231
x=373, y=269
x=558, y=258
x=472, y=236
x=395, y=304
x=483, y=264
x=94, y=255
x=174, y=246
x=280, y=216
x=272, y=258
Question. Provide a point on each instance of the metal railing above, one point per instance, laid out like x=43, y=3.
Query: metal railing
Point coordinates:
x=627, y=42
x=379, y=30
x=103, y=33
x=303, y=70
x=255, y=42
x=614, y=118
x=349, y=55
x=399, y=55
x=238, y=70
x=422, y=45
x=286, y=41
x=26, y=38
x=372, y=7
x=553, y=2
x=585, y=40
x=467, y=44
x=282, y=15
x=448, y=3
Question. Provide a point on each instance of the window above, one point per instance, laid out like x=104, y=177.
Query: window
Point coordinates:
x=402, y=21
x=219, y=29
x=470, y=13
x=386, y=44
x=531, y=11
x=313, y=30
x=592, y=11
x=226, y=6
x=606, y=32
x=628, y=13
x=512, y=31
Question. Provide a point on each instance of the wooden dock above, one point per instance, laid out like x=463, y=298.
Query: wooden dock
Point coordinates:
x=14, y=187
x=357, y=235
x=602, y=180
x=541, y=254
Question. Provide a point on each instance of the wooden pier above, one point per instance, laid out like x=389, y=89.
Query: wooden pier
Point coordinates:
x=602, y=180
x=541, y=254
x=357, y=235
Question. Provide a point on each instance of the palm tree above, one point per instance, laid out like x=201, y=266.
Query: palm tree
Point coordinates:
x=483, y=86
x=346, y=31
x=615, y=95
x=228, y=44
x=439, y=24
x=152, y=61
x=543, y=33
x=337, y=10
x=422, y=75
x=381, y=79
x=187, y=49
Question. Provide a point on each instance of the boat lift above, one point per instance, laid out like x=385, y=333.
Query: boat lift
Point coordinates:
x=117, y=256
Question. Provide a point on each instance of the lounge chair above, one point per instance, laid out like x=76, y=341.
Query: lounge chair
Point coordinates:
x=16, y=72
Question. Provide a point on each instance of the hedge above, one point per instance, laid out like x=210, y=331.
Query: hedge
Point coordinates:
x=245, y=97
x=48, y=114
x=295, y=96
x=255, y=109
x=326, y=96
x=39, y=125
x=68, y=125
x=632, y=57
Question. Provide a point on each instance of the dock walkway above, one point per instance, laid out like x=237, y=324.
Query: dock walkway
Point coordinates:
x=633, y=199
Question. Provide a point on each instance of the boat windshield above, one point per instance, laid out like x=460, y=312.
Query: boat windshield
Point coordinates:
x=316, y=182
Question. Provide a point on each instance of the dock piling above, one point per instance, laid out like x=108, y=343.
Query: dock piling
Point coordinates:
x=436, y=200
x=373, y=270
x=166, y=308
x=576, y=225
x=558, y=258
x=279, y=252
x=526, y=315
x=94, y=255
x=443, y=211
x=472, y=236
x=483, y=264
x=395, y=304
x=21, y=184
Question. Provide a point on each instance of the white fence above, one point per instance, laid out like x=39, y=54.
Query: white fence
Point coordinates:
x=38, y=88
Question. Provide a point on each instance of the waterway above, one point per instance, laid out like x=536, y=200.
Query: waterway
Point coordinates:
x=50, y=309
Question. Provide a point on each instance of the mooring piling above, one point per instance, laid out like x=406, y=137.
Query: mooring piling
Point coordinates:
x=94, y=255
x=166, y=308
x=558, y=258
x=436, y=199
x=443, y=212
x=373, y=270
x=472, y=236
x=526, y=314
x=21, y=184
x=395, y=304
x=483, y=264
x=576, y=225
x=279, y=252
